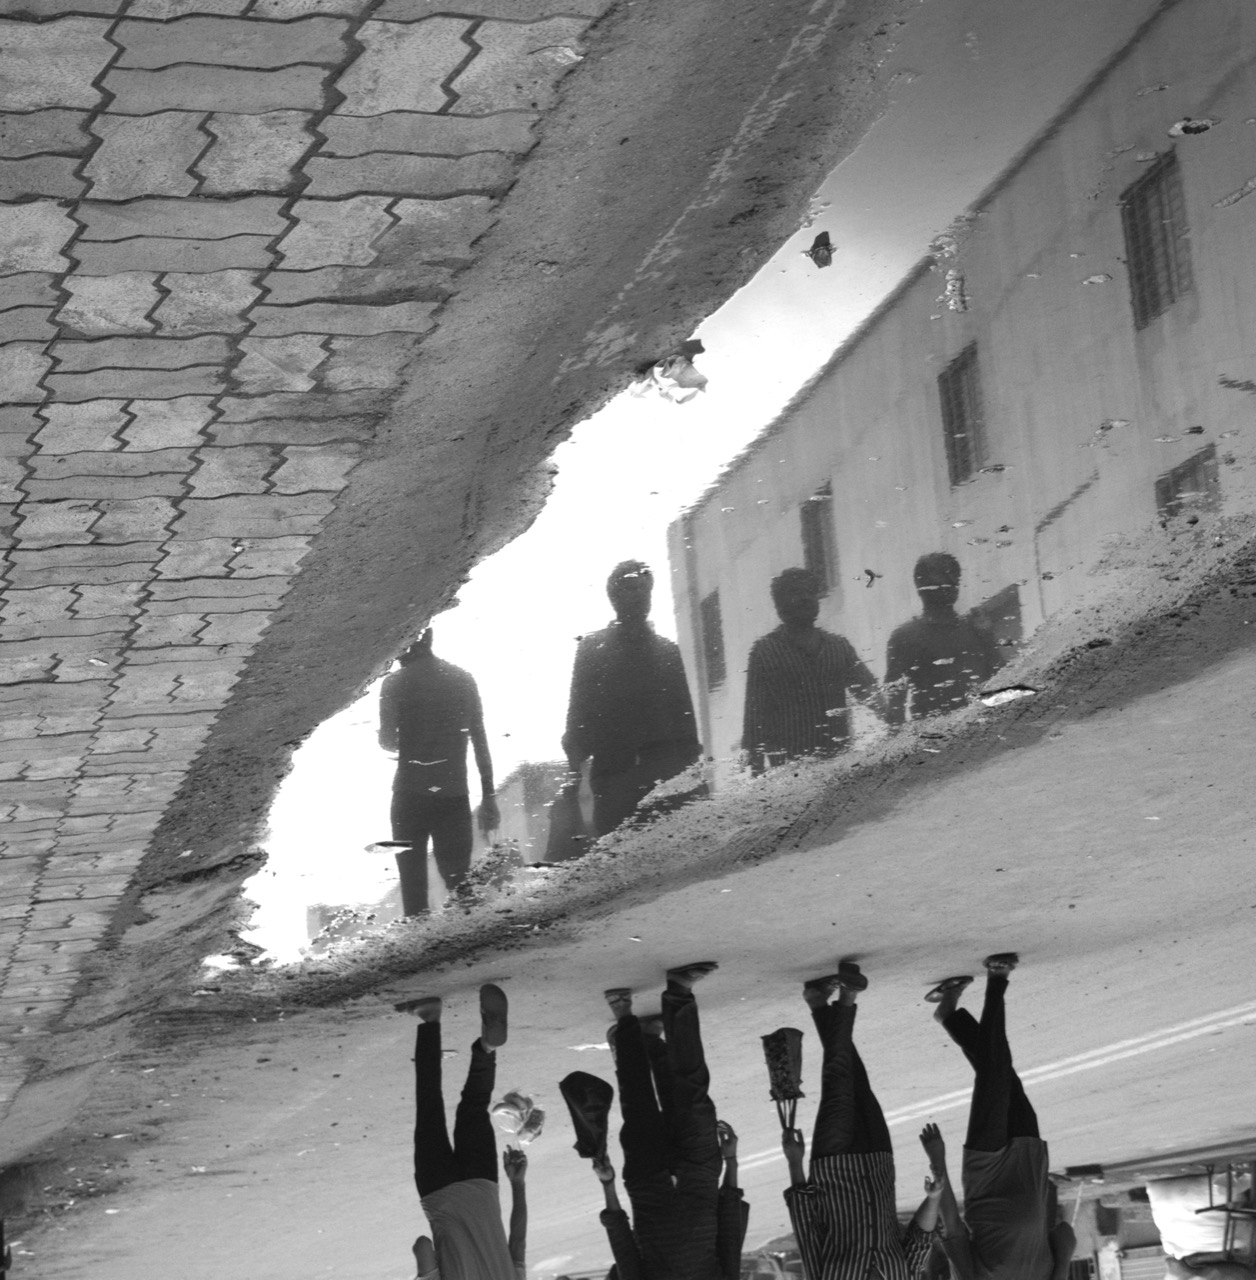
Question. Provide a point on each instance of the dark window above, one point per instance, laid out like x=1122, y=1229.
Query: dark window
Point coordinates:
x=818, y=543
x=1157, y=251
x=712, y=639
x=963, y=418
x=1191, y=485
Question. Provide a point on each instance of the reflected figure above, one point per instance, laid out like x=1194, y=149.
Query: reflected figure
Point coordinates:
x=427, y=711
x=939, y=658
x=686, y=1224
x=1008, y=1229
x=457, y=1181
x=797, y=680
x=844, y=1215
x=630, y=707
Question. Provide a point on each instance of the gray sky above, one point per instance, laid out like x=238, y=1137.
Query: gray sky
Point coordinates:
x=977, y=79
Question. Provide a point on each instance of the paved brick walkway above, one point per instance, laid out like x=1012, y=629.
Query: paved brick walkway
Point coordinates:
x=225, y=228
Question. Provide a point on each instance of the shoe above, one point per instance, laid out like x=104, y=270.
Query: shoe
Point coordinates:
x=850, y=976
x=420, y=1006
x=492, y=1016
x=1002, y=961
x=958, y=983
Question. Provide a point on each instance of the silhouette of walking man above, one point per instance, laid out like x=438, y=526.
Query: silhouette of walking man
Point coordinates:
x=630, y=707
x=939, y=658
x=844, y=1215
x=797, y=680
x=1008, y=1231
x=457, y=1181
x=427, y=712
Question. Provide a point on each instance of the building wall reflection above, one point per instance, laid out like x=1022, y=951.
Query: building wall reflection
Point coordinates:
x=1070, y=371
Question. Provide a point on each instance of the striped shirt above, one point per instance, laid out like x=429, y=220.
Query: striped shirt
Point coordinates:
x=796, y=697
x=846, y=1224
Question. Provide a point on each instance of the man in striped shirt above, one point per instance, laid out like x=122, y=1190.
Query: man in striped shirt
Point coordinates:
x=797, y=680
x=1008, y=1231
x=844, y=1214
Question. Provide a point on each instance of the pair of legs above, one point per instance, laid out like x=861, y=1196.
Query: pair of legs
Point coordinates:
x=445, y=821
x=438, y=1162
x=617, y=795
x=850, y=1120
x=669, y=1136
x=1000, y=1111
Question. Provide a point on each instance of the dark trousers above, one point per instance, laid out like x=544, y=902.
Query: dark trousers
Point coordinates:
x=671, y=1148
x=1000, y=1111
x=619, y=790
x=473, y=1153
x=445, y=821
x=850, y=1119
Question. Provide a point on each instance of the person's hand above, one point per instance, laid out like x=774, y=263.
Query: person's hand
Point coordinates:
x=933, y=1186
x=424, y=1255
x=489, y=817
x=515, y=1162
x=603, y=1168
x=728, y=1139
x=793, y=1144
x=935, y=1148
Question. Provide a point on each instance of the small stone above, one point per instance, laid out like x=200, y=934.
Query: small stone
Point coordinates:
x=105, y=258
x=140, y=353
x=194, y=219
x=431, y=176
x=334, y=232
x=320, y=468
x=425, y=134
x=116, y=304
x=32, y=236
x=145, y=155
x=164, y=424
x=220, y=42
x=279, y=364
x=206, y=302
x=519, y=65
x=403, y=66
x=40, y=176
x=127, y=384
x=255, y=153
x=331, y=317
x=196, y=88
x=22, y=366
x=52, y=64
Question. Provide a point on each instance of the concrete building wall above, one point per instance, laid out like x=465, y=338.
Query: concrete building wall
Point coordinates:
x=1083, y=411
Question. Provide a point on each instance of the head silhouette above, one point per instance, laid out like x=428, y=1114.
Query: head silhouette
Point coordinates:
x=796, y=595
x=421, y=648
x=937, y=580
x=629, y=588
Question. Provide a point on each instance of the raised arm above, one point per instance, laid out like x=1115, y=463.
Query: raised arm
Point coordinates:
x=955, y=1237
x=618, y=1229
x=516, y=1165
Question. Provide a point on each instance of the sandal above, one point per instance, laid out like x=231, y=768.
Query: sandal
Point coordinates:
x=957, y=983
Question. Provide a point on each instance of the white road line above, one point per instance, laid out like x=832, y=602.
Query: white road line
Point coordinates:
x=1237, y=1015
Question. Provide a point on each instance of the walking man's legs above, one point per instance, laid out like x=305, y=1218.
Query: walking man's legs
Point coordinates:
x=434, y=1164
x=452, y=839
x=999, y=1110
x=475, y=1146
x=643, y=1136
x=410, y=821
x=850, y=1119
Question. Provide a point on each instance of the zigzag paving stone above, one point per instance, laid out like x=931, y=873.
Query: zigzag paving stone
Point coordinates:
x=222, y=241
